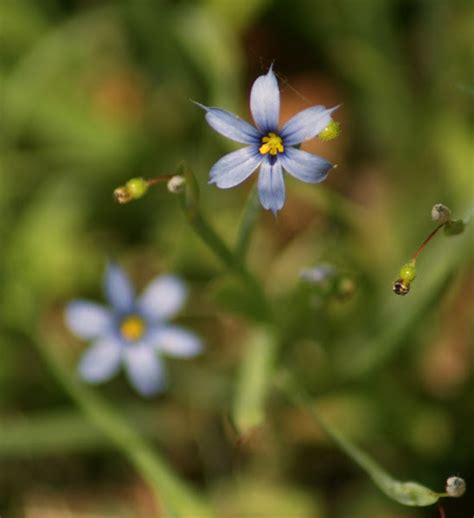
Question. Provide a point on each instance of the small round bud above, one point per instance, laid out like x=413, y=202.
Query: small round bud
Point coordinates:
x=440, y=213
x=137, y=187
x=400, y=287
x=455, y=486
x=454, y=227
x=330, y=132
x=176, y=184
x=408, y=273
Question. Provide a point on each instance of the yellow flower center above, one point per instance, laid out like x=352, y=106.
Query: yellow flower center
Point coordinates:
x=272, y=144
x=132, y=328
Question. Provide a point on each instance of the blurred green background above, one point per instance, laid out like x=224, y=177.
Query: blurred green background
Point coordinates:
x=93, y=93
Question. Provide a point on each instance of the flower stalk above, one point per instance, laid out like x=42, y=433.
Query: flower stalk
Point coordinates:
x=406, y=493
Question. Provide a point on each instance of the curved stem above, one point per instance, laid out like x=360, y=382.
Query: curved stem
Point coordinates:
x=406, y=493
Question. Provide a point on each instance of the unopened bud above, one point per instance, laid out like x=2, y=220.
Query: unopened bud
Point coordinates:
x=135, y=188
x=330, y=132
x=176, y=184
x=455, y=486
x=440, y=213
x=408, y=272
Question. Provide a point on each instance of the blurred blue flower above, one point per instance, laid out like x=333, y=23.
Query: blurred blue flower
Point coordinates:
x=134, y=331
x=318, y=273
x=269, y=147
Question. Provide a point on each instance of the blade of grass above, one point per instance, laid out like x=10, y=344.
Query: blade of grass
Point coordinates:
x=254, y=380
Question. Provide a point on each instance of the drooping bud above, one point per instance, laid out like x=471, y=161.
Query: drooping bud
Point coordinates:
x=176, y=184
x=330, y=132
x=455, y=486
x=440, y=213
x=407, y=275
x=134, y=189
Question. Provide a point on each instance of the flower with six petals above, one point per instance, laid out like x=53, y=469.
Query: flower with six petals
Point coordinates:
x=268, y=147
x=133, y=332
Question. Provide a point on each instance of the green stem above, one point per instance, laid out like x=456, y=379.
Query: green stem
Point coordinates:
x=178, y=498
x=190, y=206
x=247, y=224
x=406, y=493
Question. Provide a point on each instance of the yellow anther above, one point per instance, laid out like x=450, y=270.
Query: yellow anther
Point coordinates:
x=272, y=144
x=132, y=328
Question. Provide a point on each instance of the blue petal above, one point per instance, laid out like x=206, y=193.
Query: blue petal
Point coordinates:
x=101, y=361
x=230, y=125
x=175, y=341
x=144, y=369
x=265, y=102
x=87, y=320
x=305, y=166
x=162, y=298
x=306, y=125
x=271, y=187
x=235, y=167
x=118, y=289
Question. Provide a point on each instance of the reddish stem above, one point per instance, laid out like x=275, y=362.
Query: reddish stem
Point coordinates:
x=157, y=179
x=441, y=511
x=426, y=241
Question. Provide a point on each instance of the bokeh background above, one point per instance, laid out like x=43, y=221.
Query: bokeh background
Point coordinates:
x=93, y=93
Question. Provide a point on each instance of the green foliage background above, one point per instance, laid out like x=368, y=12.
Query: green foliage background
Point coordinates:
x=93, y=93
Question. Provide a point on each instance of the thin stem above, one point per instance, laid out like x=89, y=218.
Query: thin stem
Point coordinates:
x=247, y=224
x=205, y=231
x=407, y=493
x=166, y=485
x=426, y=241
x=158, y=179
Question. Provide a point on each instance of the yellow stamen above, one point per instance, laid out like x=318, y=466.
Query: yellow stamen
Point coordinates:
x=132, y=328
x=272, y=144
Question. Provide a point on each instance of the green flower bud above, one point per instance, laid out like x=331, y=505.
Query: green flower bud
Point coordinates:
x=454, y=227
x=137, y=187
x=408, y=273
x=330, y=132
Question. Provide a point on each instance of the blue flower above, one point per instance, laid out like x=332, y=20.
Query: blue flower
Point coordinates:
x=270, y=148
x=134, y=331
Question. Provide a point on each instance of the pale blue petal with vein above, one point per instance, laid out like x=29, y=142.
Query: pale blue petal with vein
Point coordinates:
x=305, y=166
x=235, y=167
